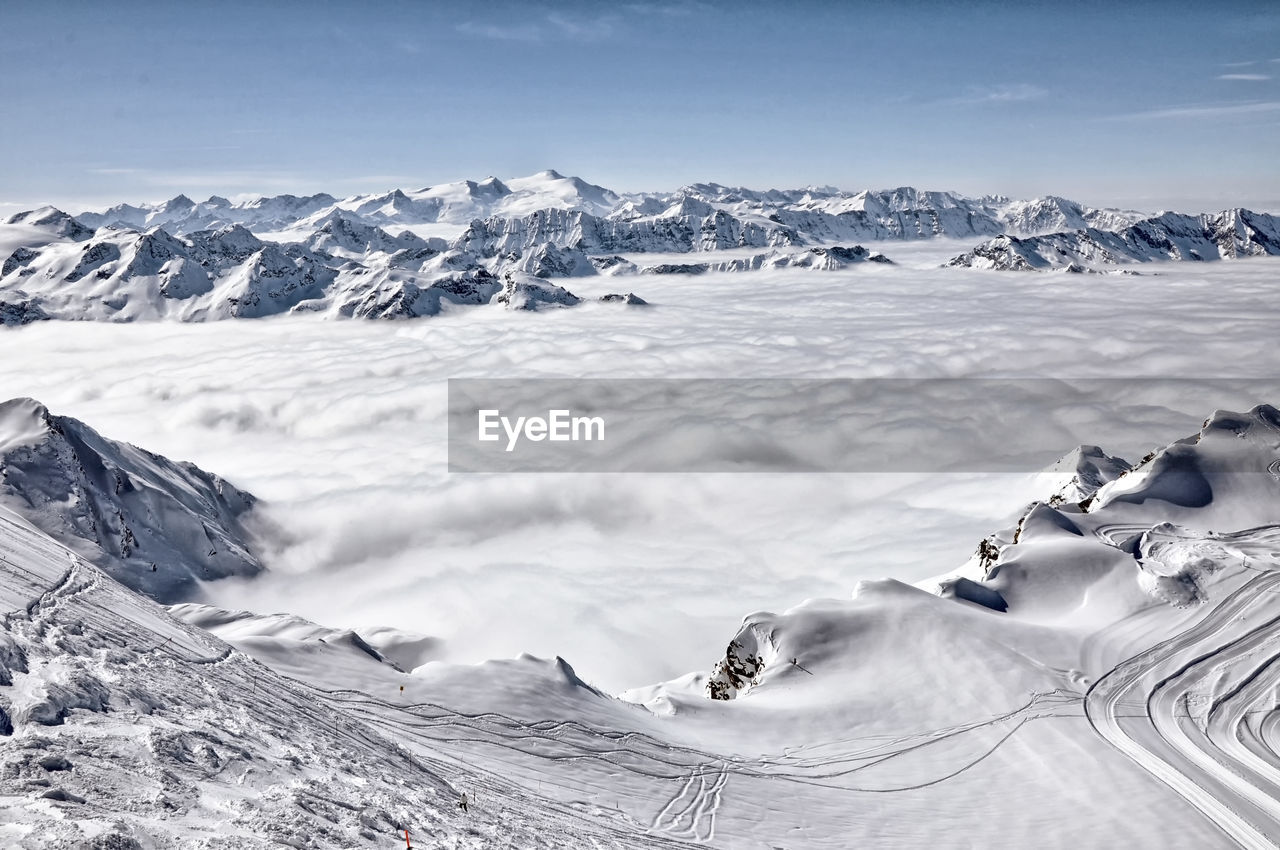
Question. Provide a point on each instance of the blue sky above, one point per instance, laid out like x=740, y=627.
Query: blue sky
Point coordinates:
x=1176, y=104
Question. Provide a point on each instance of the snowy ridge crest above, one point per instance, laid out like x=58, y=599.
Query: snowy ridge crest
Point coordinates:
x=157, y=526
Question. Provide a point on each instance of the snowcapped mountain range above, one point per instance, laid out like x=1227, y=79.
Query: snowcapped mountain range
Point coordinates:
x=408, y=254
x=814, y=214
x=1108, y=636
x=1169, y=236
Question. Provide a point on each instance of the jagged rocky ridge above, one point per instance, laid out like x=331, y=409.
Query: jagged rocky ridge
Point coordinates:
x=822, y=259
x=346, y=268
x=695, y=217
x=1169, y=236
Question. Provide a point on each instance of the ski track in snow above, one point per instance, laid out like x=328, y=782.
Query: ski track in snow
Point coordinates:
x=692, y=782
x=1117, y=535
x=1200, y=710
x=42, y=604
x=688, y=815
x=699, y=809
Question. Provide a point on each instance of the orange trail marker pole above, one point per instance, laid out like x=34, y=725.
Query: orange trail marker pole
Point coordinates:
x=406, y=840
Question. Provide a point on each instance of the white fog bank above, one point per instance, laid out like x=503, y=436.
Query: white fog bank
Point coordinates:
x=340, y=428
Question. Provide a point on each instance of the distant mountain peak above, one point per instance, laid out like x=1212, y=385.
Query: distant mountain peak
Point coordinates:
x=178, y=202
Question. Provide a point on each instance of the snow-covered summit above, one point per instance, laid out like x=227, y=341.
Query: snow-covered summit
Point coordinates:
x=343, y=234
x=1090, y=468
x=54, y=221
x=155, y=525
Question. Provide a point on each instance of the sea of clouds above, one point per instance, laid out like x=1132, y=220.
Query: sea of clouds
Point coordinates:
x=340, y=426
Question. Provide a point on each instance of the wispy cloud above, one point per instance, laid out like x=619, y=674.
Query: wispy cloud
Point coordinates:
x=554, y=25
x=1256, y=77
x=1216, y=110
x=215, y=180
x=366, y=180
x=582, y=29
x=1005, y=93
x=667, y=10
x=498, y=32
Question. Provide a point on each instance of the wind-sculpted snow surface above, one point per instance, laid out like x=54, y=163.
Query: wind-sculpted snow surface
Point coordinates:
x=290, y=636
x=1174, y=629
x=1198, y=709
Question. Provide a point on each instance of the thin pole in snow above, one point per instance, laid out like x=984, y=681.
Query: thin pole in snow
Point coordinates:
x=406, y=840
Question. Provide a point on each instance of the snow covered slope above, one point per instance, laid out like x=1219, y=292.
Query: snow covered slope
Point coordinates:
x=674, y=232
x=826, y=214
x=1145, y=607
x=53, y=220
x=286, y=636
x=1113, y=652
x=155, y=525
x=122, y=728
